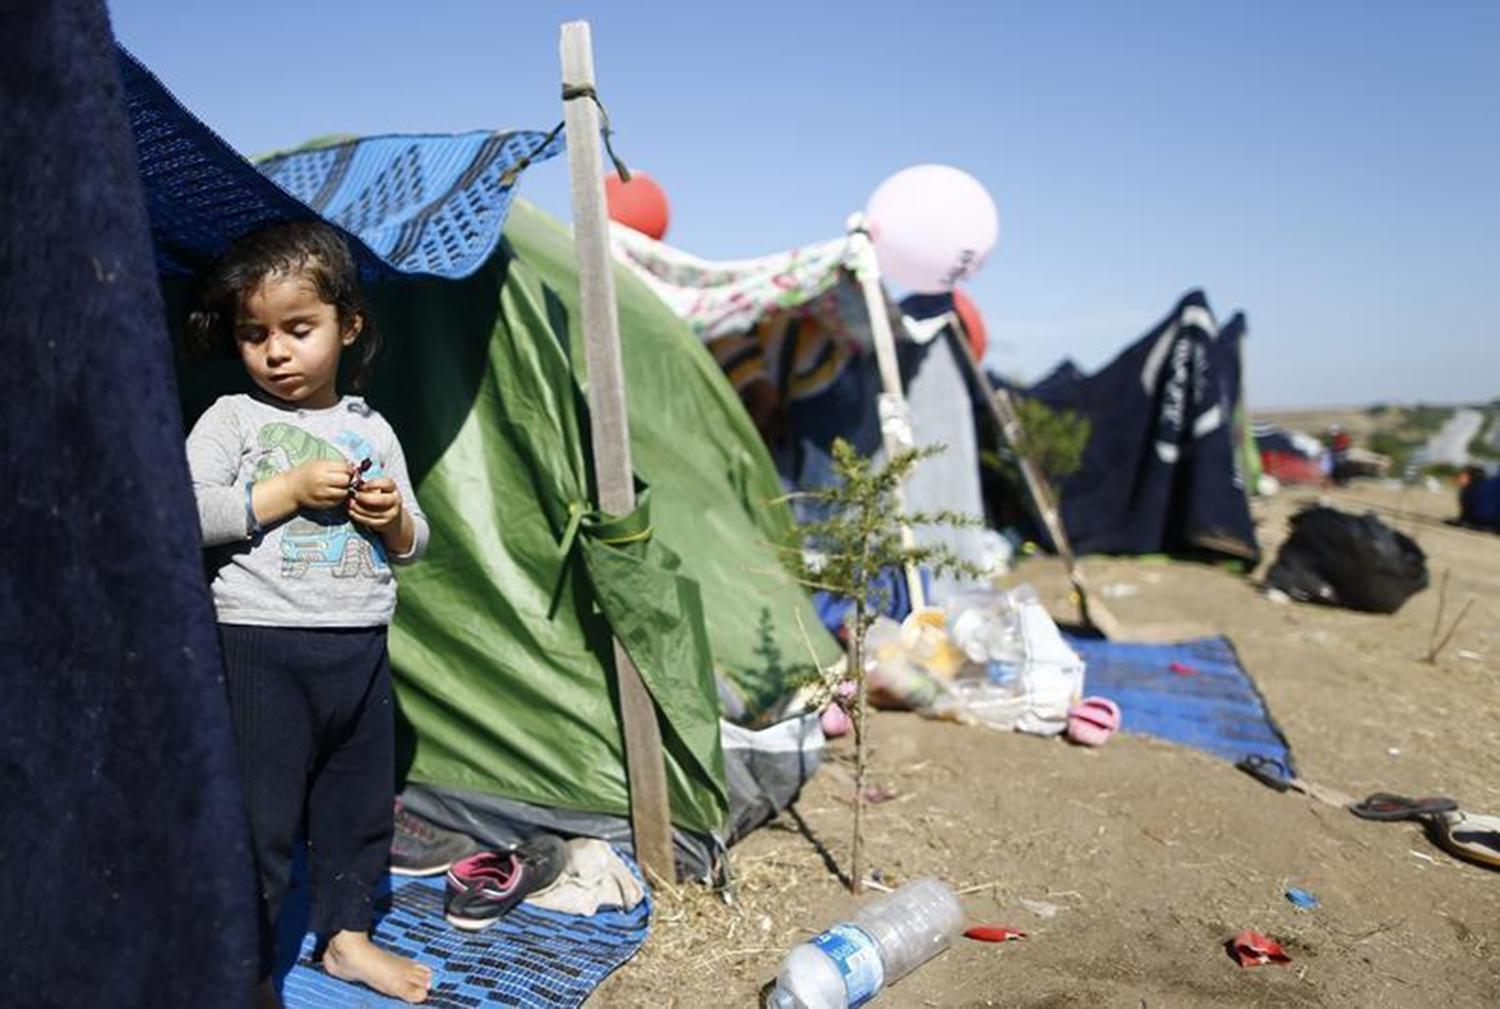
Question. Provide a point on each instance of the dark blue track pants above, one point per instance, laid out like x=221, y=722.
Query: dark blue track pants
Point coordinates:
x=314, y=730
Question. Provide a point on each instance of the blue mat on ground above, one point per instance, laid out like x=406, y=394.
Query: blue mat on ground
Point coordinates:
x=1215, y=708
x=532, y=957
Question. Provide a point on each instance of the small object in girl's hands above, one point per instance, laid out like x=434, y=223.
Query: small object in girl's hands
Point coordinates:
x=1303, y=899
x=993, y=933
x=1251, y=949
x=1183, y=669
x=357, y=481
x=877, y=794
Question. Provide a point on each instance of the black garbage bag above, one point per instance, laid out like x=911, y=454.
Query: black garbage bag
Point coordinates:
x=1355, y=561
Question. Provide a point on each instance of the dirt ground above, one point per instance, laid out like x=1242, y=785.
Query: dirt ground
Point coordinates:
x=1136, y=862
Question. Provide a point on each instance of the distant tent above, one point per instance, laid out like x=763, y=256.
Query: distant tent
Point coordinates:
x=1292, y=457
x=1066, y=373
x=1160, y=472
x=796, y=323
x=501, y=643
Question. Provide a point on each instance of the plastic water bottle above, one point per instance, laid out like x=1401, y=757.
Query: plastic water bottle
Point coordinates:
x=886, y=939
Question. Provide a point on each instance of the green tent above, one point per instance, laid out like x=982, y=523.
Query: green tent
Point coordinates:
x=506, y=695
x=501, y=643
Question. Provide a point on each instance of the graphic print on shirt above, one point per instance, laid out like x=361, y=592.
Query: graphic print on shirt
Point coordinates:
x=323, y=540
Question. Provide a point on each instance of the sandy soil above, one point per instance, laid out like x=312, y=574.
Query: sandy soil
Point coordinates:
x=1141, y=859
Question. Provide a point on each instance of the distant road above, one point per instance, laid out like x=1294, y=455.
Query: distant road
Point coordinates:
x=1451, y=444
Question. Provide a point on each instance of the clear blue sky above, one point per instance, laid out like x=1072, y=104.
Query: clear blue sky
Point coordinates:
x=1331, y=168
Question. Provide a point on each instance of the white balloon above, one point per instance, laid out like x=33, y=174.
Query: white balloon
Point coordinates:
x=932, y=226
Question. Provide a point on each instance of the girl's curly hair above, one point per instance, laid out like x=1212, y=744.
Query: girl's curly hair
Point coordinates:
x=310, y=249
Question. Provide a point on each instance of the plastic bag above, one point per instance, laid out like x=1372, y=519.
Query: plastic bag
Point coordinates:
x=1031, y=677
x=1354, y=561
x=998, y=660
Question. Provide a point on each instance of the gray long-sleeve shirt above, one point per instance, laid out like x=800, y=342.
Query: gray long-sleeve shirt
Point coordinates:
x=314, y=568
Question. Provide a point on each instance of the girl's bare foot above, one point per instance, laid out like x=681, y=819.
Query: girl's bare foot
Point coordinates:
x=351, y=956
x=266, y=997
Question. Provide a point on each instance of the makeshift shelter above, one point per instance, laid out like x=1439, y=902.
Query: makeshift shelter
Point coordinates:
x=1292, y=457
x=1161, y=471
x=793, y=333
x=502, y=640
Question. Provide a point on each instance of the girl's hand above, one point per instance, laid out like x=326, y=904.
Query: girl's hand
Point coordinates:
x=321, y=483
x=377, y=505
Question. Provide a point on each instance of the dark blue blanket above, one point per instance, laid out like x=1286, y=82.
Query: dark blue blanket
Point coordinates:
x=115, y=745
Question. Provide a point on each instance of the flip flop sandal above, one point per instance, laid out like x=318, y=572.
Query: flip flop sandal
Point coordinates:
x=1388, y=807
x=1093, y=720
x=1471, y=836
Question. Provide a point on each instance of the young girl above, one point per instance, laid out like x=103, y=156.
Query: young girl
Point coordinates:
x=305, y=504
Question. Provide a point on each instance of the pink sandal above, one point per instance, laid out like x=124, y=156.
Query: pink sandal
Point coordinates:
x=1093, y=720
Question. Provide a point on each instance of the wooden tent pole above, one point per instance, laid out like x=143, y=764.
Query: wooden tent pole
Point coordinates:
x=1002, y=410
x=650, y=809
x=895, y=418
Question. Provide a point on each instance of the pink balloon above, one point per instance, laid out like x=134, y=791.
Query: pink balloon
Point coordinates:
x=932, y=226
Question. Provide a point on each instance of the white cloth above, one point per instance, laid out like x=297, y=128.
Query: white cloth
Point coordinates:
x=730, y=296
x=595, y=876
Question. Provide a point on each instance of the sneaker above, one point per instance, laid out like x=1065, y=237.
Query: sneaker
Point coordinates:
x=484, y=887
x=420, y=849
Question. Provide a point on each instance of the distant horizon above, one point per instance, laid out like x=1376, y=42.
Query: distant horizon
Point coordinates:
x=1485, y=404
x=1330, y=169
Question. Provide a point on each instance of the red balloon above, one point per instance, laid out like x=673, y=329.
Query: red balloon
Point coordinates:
x=639, y=204
x=968, y=313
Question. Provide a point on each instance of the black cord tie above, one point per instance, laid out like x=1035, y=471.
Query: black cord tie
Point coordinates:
x=570, y=92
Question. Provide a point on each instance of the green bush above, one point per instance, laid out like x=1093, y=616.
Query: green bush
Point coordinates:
x=1054, y=439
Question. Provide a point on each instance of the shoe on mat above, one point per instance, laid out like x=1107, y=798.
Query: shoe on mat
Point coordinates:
x=482, y=888
x=420, y=849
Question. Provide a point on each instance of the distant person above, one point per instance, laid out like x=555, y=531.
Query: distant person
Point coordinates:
x=1479, y=498
x=305, y=504
x=1340, y=443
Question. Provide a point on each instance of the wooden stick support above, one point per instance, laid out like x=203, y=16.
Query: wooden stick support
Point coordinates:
x=867, y=269
x=650, y=809
x=1002, y=411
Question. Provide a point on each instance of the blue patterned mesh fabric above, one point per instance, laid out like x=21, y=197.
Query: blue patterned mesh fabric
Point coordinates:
x=532, y=957
x=426, y=204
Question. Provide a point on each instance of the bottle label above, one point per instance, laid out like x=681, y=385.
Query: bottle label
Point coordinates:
x=857, y=958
